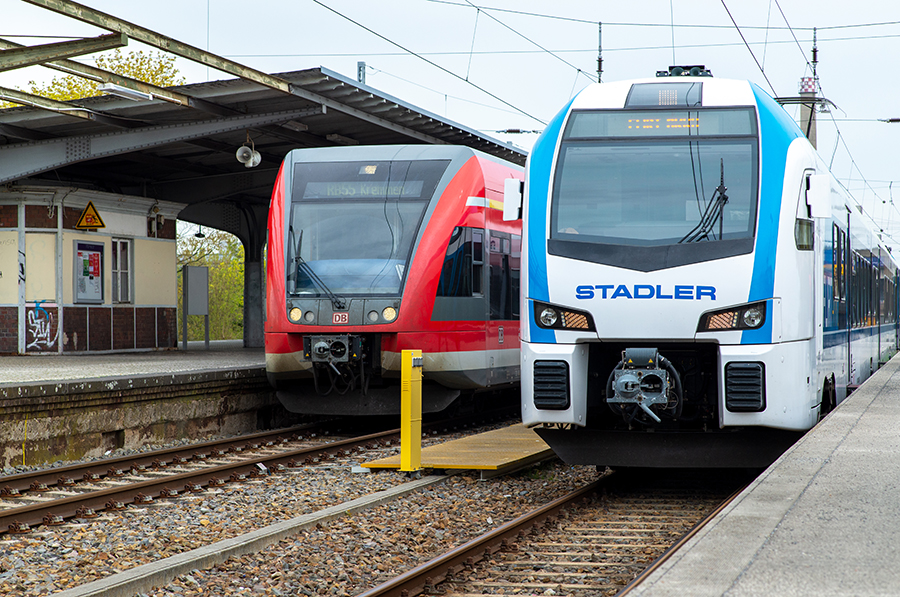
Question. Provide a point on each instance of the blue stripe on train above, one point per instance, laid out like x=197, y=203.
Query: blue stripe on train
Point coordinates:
x=539, y=168
x=776, y=132
x=838, y=337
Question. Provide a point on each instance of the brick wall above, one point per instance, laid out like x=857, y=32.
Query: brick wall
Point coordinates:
x=167, y=327
x=145, y=327
x=167, y=230
x=41, y=329
x=37, y=216
x=71, y=216
x=9, y=330
x=9, y=216
x=75, y=336
x=119, y=328
x=100, y=322
x=123, y=328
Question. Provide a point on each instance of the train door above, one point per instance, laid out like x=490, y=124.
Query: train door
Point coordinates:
x=838, y=326
x=503, y=250
x=461, y=301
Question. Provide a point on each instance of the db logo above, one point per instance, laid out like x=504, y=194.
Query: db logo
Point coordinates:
x=340, y=318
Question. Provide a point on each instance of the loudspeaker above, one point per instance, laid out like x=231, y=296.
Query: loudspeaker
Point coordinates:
x=244, y=154
x=254, y=160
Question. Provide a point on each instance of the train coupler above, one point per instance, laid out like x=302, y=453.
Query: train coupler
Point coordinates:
x=643, y=379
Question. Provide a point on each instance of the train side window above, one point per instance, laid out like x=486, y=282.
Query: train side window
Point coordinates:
x=500, y=276
x=463, y=263
x=804, y=227
x=837, y=267
x=854, y=294
x=505, y=259
x=477, y=259
x=515, y=260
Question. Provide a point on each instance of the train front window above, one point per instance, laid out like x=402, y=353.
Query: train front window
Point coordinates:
x=353, y=225
x=652, y=184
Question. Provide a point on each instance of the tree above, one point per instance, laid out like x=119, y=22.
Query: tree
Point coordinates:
x=223, y=254
x=155, y=68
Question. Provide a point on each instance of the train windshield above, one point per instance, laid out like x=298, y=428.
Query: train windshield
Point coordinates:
x=353, y=224
x=656, y=177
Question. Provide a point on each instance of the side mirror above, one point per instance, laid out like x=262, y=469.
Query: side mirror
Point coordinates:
x=512, y=199
x=818, y=195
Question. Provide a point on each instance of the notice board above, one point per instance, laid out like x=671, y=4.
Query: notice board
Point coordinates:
x=88, y=272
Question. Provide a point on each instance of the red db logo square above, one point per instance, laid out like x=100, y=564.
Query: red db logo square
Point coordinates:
x=340, y=318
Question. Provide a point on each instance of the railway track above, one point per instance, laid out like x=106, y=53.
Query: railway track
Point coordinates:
x=83, y=490
x=594, y=541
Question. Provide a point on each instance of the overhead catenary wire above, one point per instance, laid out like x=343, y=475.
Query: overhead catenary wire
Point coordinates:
x=635, y=24
x=840, y=140
x=749, y=49
x=432, y=63
x=527, y=39
x=766, y=41
x=472, y=49
x=672, y=23
x=441, y=93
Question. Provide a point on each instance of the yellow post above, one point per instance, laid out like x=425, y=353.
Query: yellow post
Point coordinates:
x=411, y=410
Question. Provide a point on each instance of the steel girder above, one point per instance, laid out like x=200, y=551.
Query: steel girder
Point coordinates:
x=21, y=57
x=19, y=160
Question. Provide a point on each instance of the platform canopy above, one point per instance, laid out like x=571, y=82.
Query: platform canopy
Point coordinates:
x=185, y=152
x=178, y=144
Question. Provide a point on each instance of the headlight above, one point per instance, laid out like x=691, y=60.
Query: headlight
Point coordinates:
x=295, y=314
x=746, y=317
x=559, y=318
x=389, y=314
x=373, y=316
x=753, y=317
x=549, y=317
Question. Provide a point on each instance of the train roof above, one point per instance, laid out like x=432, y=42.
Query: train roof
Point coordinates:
x=392, y=152
x=713, y=92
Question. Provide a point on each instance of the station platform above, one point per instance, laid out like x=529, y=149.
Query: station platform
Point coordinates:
x=822, y=520
x=493, y=453
x=70, y=406
x=34, y=369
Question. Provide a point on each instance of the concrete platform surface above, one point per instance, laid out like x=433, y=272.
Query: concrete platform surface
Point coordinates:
x=41, y=368
x=823, y=520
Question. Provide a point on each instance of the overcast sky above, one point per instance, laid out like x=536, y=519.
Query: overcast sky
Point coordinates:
x=512, y=64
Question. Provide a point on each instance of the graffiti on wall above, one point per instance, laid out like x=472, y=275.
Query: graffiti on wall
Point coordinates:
x=42, y=329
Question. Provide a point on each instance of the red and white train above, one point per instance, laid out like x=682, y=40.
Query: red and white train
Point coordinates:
x=376, y=249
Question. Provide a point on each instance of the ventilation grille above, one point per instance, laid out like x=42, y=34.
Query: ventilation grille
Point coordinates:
x=551, y=385
x=745, y=387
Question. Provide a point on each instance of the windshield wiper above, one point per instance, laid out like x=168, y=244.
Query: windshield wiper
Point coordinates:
x=715, y=211
x=338, y=303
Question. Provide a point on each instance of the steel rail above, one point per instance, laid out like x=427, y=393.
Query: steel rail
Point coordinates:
x=54, y=512
x=678, y=544
x=61, y=476
x=427, y=575
x=17, y=520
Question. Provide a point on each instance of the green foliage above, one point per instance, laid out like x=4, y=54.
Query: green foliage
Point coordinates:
x=223, y=254
x=155, y=68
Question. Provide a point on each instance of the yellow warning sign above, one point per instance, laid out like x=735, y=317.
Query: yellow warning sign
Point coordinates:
x=90, y=219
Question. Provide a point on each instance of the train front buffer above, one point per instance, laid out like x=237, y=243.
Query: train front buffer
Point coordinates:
x=636, y=362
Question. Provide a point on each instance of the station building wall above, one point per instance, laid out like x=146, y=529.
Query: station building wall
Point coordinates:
x=50, y=300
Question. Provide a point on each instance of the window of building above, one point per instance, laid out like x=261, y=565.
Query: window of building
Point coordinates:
x=121, y=271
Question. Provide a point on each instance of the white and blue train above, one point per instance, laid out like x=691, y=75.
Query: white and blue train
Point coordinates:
x=697, y=288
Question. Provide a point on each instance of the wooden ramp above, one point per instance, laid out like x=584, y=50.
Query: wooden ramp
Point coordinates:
x=493, y=453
